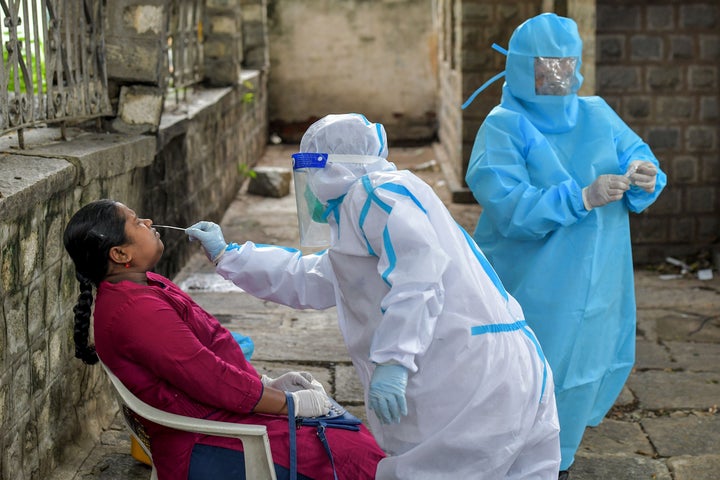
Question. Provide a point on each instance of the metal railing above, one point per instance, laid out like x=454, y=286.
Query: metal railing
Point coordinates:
x=185, y=42
x=53, y=67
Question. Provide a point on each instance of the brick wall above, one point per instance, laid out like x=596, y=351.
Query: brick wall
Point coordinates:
x=657, y=66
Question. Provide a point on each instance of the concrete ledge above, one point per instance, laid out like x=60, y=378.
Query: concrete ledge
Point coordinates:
x=102, y=155
x=25, y=180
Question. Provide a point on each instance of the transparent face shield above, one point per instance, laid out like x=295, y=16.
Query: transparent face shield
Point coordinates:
x=555, y=75
x=319, y=177
x=314, y=230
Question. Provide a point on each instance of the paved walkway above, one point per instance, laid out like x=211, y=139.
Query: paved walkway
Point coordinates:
x=665, y=425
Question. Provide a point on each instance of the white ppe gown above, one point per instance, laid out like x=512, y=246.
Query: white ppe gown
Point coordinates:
x=411, y=287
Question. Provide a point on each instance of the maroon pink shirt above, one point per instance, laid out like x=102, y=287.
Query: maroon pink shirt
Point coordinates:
x=175, y=356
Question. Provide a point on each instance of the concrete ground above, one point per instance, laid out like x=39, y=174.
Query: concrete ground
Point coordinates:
x=665, y=425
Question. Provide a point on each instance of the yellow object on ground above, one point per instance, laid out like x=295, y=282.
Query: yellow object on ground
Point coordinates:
x=138, y=453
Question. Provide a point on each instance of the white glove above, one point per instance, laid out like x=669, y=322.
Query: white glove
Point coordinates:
x=605, y=189
x=310, y=403
x=293, y=381
x=642, y=174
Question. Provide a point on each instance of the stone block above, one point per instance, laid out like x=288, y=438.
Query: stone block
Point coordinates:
x=610, y=48
x=622, y=78
x=38, y=367
x=664, y=138
x=15, y=317
x=699, y=16
x=614, y=18
x=666, y=78
x=710, y=48
x=140, y=105
x=144, y=19
x=270, y=182
x=594, y=467
x=685, y=169
x=139, y=60
x=36, y=308
x=638, y=107
x=709, y=108
x=695, y=467
x=703, y=77
x=691, y=434
x=682, y=47
x=701, y=199
x=615, y=437
x=651, y=355
x=702, y=138
x=645, y=47
x=220, y=22
x=660, y=17
x=661, y=390
x=696, y=357
x=676, y=107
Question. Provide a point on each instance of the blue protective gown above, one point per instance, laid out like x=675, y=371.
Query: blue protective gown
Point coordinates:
x=571, y=269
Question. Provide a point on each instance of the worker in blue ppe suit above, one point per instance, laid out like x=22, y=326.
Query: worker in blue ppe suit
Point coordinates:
x=456, y=383
x=556, y=175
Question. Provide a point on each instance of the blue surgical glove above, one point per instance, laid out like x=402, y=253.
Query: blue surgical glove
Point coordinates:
x=211, y=237
x=246, y=344
x=387, y=392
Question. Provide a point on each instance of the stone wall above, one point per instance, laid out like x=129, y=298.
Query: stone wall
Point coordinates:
x=190, y=171
x=372, y=57
x=657, y=67
x=186, y=167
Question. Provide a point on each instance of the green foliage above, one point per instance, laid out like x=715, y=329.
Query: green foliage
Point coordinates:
x=36, y=84
x=245, y=171
x=248, y=97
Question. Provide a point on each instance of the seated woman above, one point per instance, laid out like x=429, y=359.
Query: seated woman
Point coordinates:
x=174, y=355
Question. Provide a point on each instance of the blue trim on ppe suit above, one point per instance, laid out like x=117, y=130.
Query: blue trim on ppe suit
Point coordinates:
x=570, y=269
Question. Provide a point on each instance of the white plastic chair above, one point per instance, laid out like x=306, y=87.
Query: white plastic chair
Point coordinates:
x=258, y=457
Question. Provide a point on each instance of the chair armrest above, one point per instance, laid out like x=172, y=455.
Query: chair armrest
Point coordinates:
x=258, y=456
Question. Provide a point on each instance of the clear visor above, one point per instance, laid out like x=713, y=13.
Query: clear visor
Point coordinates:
x=555, y=75
x=318, y=177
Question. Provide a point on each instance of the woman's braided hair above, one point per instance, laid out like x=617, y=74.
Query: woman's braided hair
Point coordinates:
x=88, y=238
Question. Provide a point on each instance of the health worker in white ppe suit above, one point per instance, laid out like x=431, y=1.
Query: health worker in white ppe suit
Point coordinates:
x=456, y=383
x=557, y=175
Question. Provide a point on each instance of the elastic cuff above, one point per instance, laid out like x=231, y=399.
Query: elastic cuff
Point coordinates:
x=216, y=260
x=586, y=204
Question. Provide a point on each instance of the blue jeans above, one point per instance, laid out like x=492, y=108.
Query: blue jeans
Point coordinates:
x=217, y=463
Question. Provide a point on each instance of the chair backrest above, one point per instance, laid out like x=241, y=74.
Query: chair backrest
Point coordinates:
x=256, y=446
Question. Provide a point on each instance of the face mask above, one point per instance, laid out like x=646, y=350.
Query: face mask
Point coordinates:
x=315, y=208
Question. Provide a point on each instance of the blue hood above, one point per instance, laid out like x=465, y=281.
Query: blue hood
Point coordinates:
x=546, y=35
